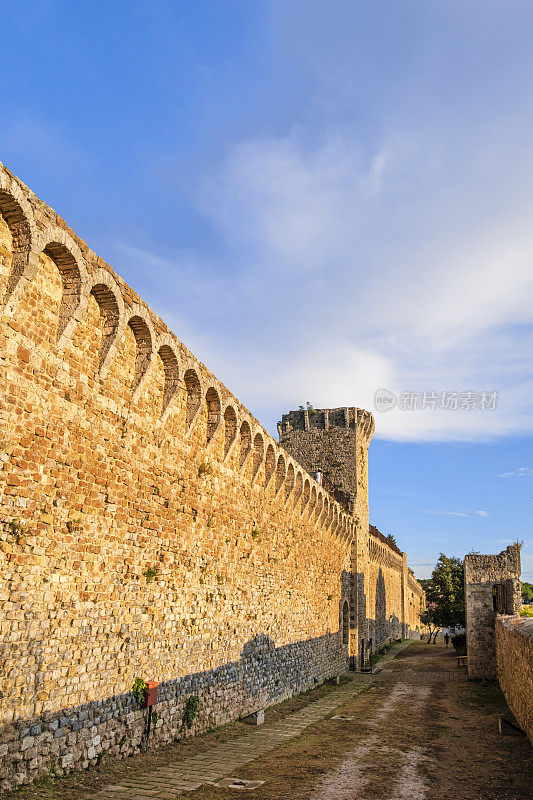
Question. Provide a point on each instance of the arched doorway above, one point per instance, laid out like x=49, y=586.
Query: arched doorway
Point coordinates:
x=345, y=623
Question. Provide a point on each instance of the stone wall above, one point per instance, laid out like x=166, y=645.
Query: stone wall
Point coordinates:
x=514, y=656
x=492, y=585
x=149, y=526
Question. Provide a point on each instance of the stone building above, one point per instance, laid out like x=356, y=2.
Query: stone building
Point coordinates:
x=149, y=526
x=492, y=587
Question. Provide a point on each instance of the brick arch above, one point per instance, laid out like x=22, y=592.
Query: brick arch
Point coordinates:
x=107, y=294
x=66, y=255
x=19, y=217
x=289, y=480
x=312, y=501
x=306, y=493
x=270, y=463
x=193, y=389
x=167, y=354
x=212, y=402
x=298, y=488
x=280, y=473
x=259, y=450
x=230, y=428
x=144, y=341
x=245, y=437
x=319, y=505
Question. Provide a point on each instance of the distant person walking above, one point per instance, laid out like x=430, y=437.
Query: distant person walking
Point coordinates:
x=446, y=639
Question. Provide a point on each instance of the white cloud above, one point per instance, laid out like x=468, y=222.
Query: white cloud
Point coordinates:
x=352, y=280
x=459, y=513
x=519, y=472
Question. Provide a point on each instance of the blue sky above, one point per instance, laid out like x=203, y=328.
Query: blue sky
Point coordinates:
x=322, y=199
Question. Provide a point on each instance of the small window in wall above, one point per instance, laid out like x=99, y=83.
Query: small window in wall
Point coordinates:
x=499, y=598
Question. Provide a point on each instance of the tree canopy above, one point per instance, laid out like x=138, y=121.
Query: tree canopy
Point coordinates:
x=445, y=598
x=527, y=592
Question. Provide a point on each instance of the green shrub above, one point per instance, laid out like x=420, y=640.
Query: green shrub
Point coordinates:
x=139, y=689
x=190, y=710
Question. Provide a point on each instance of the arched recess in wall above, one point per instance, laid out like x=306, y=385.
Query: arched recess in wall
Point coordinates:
x=20, y=230
x=345, y=623
x=212, y=401
x=298, y=488
x=70, y=280
x=270, y=464
x=230, y=428
x=312, y=501
x=171, y=370
x=306, y=494
x=258, y=453
x=192, y=387
x=280, y=473
x=109, y=311
x=246, y=442
x=319, y=506
x=325, y=511
x=289, y=481
x=143, y=348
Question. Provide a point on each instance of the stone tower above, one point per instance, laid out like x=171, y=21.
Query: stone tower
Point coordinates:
x=334, y=442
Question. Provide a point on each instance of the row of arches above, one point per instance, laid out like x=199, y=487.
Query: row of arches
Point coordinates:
x=29, y=241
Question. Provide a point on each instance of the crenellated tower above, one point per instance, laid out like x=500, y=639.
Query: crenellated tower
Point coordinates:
x=332, y=444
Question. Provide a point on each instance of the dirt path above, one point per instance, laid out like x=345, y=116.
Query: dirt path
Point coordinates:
x=418, y=730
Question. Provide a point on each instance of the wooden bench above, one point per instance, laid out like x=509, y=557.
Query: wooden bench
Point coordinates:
x=462, y=661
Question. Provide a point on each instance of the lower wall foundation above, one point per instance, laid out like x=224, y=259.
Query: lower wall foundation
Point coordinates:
x=75, y=738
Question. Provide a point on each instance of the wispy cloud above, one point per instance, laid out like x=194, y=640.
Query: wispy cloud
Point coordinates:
x=458, y=513
x=519, y=472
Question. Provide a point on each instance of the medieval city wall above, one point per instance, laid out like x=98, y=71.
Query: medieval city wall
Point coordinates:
x=149, y=525
x=514, y=658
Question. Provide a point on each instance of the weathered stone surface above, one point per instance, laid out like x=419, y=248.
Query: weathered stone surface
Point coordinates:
x=149, y=526
x=514, y=657
x=485, y=576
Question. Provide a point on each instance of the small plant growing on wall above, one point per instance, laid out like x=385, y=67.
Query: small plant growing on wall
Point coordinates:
x=190, y=710
x=139, y=689
x=73, y=525
x=151, y=574
x=256, y=531
x=210, y=522
x=205, y=468
x=18, y=529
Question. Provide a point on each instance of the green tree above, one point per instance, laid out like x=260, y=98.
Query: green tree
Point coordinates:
x=391, y=540
x=527, y=592
x=445, y=598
